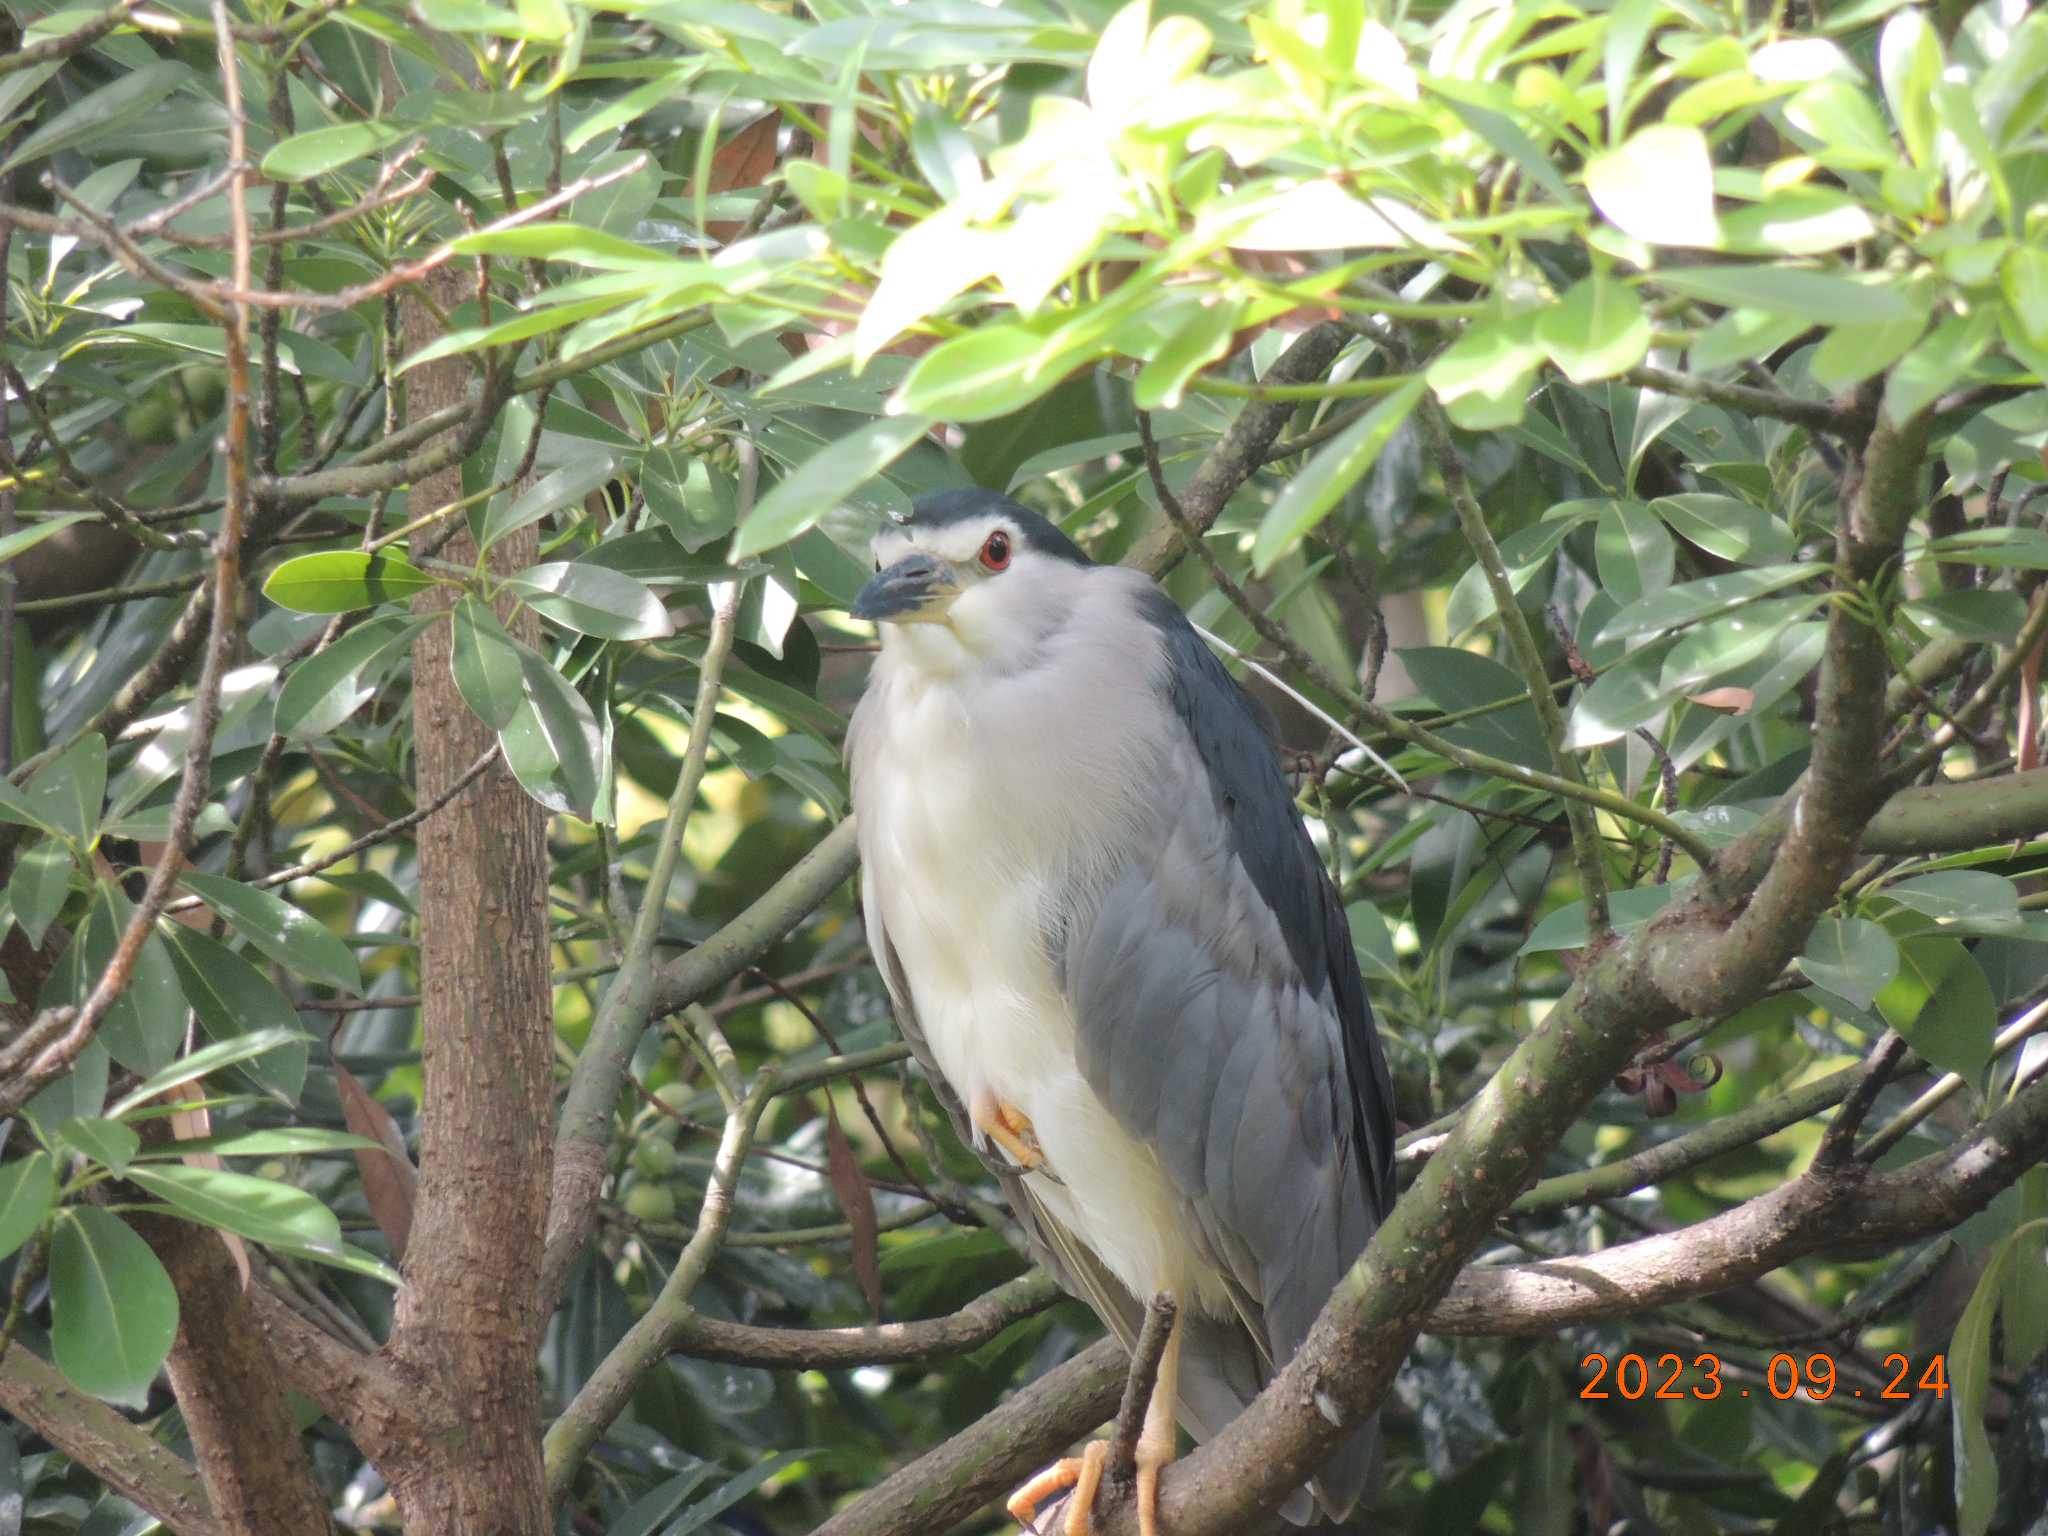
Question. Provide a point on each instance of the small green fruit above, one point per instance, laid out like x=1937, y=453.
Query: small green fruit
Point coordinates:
x=650, y=1202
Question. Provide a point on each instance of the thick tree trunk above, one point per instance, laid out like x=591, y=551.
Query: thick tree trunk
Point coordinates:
x=469, y=1318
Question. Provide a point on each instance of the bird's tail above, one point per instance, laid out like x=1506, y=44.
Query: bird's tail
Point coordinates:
x=1221, y=1372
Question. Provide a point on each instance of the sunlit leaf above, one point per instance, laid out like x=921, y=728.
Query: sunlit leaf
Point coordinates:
x=1331, y=471
x=1659, y=186
x=338, y=581
x=824, y=480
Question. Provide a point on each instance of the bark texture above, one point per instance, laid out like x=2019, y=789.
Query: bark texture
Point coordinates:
x=469, y=1318
x=244, y=1435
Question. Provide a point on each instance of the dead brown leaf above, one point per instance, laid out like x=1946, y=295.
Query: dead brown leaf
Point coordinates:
x=857, y=1199
x=1737, y=701
x=389, y=1179
x=746, y=159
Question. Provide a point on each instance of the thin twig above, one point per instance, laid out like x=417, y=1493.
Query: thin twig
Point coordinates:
x=1947, y=1086
x=1839, y=1140
x=50, y=1045
x=1745, y=400
x=1586, y=850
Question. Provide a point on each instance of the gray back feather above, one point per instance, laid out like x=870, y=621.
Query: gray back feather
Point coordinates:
x=1220, y=1014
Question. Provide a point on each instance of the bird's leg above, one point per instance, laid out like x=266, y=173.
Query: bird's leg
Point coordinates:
x=1009, y=1128
x=1082, y=1473
x=1158, y=1441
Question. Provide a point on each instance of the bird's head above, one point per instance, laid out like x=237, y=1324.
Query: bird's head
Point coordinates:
x=972, y=572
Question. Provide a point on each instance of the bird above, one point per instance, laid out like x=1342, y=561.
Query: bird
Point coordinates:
x=1109, y=941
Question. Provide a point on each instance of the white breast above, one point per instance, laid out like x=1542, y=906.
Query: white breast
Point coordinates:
x=982, y=800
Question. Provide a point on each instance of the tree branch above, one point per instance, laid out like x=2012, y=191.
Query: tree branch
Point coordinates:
x=1948, y=818
x=828, y=1349
x=1827, y=1209
x=95, y=1436
x=1241, y=450
x=946, y=1485
x=242, y=1429
x=1748, y=400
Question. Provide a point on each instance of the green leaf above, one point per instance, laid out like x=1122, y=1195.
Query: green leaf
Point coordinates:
x=593, y=601
x=1969, y=1373
x=1973, y=615
x=1659, y=186
x=238, y=1049
x=1843, y=125
x=564, y=242
x=1720, y=646
x=255, y=1026
x=286, y=1141
x=485, y=661
x=1939, y=362
x=1484, y=378
x=1566, y=928
x=1801, y=221
x=145, y=1024
x=314, y=153
x=114, y=1312
x=1849, y=354
x=24, y=539
x=1951, y=895
x=261, y=1210
x=698, y=1516
x=1459, y=680
x=1321, y=216
x=1852, y=957
x=694, y=501
x=28, y=1186
x=329, y=686
x=339, y=581
x=563, y=487
x=1525, y=552
x=68, y=791
x=944, y=154
x=1941, y=1002
x=826, y=479
x=39, y=886
x=108, y=1142
x=14, y=806
x=1818, y=298
x=1597, y=330
x=296, y=940
x=1633, y=553
x=102, y=113
x=662, y=1500
x=1334, y=469
x=1909, y=63
x=1628, y=694
x=1727, y=526
x=1202, y=338
x=991, y=371
x=552, y=743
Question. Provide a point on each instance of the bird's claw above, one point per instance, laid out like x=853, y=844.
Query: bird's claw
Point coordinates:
x=1011, y=1129
x=1081, y=1473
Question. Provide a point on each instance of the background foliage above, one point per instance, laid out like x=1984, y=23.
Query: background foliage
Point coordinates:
x=1608, y=304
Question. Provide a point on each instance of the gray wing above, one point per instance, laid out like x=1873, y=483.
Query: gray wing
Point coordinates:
x=1221, y=1016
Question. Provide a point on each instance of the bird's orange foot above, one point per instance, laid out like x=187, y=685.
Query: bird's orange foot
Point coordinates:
x=1011, y=1129
x=1081, y=1473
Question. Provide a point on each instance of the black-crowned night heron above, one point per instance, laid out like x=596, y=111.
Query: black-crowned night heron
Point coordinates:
x=1110, y=942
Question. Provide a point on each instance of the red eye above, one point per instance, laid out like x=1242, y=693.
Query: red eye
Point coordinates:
x=995, y=553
